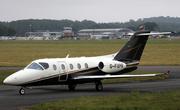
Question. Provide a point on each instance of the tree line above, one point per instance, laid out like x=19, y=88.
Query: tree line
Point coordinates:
x=153, y=24
x=7, y=31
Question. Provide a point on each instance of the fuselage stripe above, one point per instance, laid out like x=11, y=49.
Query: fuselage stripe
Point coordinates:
x=131, y=49
x=132, y=64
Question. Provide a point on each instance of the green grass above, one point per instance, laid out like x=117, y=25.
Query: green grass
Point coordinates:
x=21, y=53
x=4, y=74
x=134, y=101
x=161, y=54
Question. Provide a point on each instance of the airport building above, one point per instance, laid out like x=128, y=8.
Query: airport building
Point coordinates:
x=103, y=33
x=66, y=33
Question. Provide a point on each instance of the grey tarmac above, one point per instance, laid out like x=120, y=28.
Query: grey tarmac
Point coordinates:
x=11, y=100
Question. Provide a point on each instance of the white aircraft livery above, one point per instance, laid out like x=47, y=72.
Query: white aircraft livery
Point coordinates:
x=72, y=71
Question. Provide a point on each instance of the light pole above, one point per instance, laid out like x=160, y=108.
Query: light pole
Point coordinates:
x=93, y=30
x=30, y=29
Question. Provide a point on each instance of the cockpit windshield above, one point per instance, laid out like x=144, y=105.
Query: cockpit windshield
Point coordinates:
x=45, y=65
x=35, y=66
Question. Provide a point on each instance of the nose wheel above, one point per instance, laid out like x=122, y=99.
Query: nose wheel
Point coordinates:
x=22, y=91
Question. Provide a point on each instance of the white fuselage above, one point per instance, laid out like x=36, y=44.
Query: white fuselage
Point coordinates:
x=58, y=67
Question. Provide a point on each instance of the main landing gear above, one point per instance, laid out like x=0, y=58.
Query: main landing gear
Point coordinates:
x=72, y=86
x=99, y=86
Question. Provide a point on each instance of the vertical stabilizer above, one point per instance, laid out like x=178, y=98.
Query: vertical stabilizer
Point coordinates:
x=133, y=48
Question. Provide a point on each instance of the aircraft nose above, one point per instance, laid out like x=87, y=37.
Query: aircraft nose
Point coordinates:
x=11, y=80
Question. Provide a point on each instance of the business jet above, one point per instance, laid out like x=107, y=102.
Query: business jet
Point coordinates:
x=72, y=71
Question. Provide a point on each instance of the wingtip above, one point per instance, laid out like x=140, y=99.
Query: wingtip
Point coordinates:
x=167, y=72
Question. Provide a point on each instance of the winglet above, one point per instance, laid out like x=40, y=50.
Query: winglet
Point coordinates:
x=163, y=73
x=167, y=72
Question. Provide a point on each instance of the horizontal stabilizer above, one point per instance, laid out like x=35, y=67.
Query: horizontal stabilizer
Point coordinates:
x=108, y=76
x=152, y=33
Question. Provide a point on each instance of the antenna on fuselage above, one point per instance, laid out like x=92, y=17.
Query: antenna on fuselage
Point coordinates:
x=67, y=56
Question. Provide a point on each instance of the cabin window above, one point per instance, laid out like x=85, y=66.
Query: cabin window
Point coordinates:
x=45, y=65
x=86, y=65
x=35, y=66
x=54, y=67
x=63, y=67
x=71, y=66
x=79, y=66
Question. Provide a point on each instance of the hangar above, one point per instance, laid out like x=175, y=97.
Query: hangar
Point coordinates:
x=67, y=33
x=51, y=34
x=103, y=33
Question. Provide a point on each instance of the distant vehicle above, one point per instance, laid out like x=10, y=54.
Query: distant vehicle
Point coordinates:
x=72, y=71
x=162, y=36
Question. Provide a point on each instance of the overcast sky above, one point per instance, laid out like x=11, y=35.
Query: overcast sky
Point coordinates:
x=95, y=10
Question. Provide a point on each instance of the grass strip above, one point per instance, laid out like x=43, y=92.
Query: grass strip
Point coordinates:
x=134, y=101
x=21, y=53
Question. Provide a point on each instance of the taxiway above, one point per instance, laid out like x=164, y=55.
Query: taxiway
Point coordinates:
x=10, y=98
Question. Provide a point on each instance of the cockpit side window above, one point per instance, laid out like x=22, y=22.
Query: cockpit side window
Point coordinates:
x=35, y=66
x=45, y=65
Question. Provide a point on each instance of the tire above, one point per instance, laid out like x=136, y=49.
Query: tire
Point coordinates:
x=22, y=91
x=99, y=87
x=72, y=87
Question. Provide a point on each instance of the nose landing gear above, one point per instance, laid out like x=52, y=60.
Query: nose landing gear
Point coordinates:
x=22, y=91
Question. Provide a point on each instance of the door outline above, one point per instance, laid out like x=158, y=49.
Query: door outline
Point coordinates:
x=63, y=73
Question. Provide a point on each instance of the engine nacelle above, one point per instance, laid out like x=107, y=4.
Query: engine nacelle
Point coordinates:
x=111, y=66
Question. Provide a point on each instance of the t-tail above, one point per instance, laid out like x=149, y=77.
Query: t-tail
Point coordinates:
x=133, y=49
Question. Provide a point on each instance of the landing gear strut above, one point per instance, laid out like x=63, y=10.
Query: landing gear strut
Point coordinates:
x=72, y=86
x=99, y=86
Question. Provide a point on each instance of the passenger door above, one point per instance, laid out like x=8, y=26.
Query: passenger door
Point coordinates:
x=63, y=71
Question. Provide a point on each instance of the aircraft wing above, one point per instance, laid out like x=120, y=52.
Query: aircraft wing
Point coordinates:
x=108, y=76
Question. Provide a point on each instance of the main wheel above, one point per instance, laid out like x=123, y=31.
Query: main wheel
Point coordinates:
x=99, y=87
x=22, y=91
x=72, y=86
